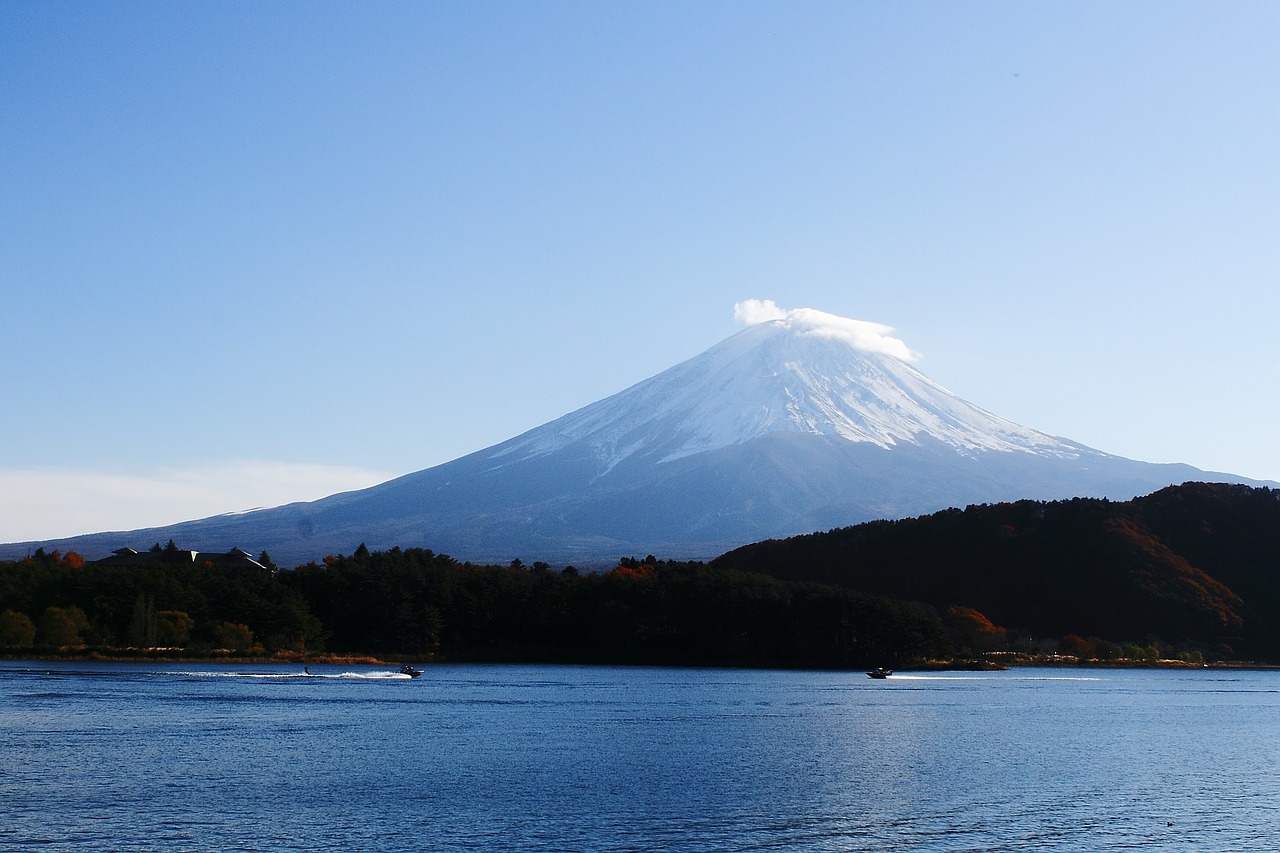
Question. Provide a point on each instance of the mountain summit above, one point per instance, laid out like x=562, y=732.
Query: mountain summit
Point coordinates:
x=803, y=372
x=802, y=421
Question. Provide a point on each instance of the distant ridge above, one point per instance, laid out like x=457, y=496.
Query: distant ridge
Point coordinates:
x=802, y=421
x=1191, y=563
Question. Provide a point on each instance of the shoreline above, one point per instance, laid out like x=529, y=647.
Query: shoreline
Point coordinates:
x=171, y=656
x=160, y=655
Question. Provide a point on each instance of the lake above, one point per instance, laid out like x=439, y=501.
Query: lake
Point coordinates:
x=179, y=757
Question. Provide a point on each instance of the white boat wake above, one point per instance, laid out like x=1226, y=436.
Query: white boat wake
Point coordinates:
x=375, y=675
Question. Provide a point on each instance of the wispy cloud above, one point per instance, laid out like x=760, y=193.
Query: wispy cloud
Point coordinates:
x=51, y=503
x=860, y=334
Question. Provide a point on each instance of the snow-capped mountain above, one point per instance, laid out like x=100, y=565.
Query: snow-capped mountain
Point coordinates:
x=807, y=374
x=802, y=421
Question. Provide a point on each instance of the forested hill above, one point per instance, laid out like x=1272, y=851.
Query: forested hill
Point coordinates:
x=423, y=605
x=1195, y=563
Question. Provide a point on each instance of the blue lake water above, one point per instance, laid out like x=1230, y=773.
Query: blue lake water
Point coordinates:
x=177, y=757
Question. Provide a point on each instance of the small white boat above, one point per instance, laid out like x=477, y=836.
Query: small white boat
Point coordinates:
x=880, y=672
x=405, y=669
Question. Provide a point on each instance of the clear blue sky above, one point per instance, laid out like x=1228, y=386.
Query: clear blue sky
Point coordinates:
x=259, y=252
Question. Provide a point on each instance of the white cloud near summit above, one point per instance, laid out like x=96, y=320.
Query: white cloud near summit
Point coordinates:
x=859, y=334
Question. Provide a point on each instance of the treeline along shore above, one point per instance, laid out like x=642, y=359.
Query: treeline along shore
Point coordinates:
x=431, y=606
x=1191, y=573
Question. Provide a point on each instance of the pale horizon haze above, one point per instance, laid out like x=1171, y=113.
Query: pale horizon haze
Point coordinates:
x=255, y=253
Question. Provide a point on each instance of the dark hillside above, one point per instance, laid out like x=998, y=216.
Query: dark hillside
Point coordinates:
x=1193, y=563
x=1232, y=533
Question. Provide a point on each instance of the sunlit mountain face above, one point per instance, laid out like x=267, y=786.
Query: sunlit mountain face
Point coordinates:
x=782, y=376
x=802, y=421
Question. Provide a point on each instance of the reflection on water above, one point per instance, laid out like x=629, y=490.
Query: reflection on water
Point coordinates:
x=185, y=757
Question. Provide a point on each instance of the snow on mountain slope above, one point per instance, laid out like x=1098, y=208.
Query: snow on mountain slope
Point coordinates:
x=804, y=371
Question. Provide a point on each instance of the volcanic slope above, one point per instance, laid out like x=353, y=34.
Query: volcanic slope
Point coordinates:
x=802, y=422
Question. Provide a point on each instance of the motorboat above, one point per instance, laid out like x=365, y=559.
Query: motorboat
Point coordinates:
x=406, y=669
x=880, y=672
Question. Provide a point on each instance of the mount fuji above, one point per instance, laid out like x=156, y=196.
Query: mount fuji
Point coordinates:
x=802, y=421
